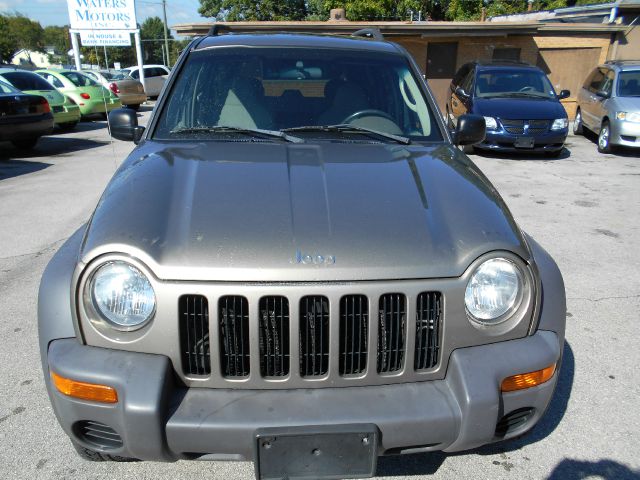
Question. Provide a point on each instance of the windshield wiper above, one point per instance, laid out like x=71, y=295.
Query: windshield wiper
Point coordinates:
x=247, y=131
x=346, y=128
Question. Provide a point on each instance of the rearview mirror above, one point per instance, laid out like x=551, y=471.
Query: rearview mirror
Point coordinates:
x=123, y=123
x=564, y=94
x=470, y=129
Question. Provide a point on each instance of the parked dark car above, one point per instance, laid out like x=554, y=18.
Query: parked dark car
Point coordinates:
x=522, y=111
x=24, y=118
x=297, y=266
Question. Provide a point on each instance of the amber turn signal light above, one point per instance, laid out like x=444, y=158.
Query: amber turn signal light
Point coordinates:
x=527, y=380
x=85, y=391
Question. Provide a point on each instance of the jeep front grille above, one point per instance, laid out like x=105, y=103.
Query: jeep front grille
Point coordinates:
x=274, y=336
x=262, y=331
x=314, y=336
x=354, y=334
x=391, y=332
x=233, y=318
x=194, y=334
x=428, y=316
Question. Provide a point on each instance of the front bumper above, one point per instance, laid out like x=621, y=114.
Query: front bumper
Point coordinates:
x=159, y=419
x=502, y=141
x=625, y=134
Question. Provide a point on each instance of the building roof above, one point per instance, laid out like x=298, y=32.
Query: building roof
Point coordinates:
x=390, y=29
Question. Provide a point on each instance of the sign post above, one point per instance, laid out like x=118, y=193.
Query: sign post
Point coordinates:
x=105, y=24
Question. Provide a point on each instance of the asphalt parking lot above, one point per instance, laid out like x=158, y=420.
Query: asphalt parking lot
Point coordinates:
x=584, y=208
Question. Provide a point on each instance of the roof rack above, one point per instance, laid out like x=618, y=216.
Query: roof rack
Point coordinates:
x=620, y=62
x=216, y=29
x=372, y=33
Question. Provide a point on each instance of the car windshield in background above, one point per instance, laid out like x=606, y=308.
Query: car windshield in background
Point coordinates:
x=80, y=80
x=275, y=89
x=513, y=83
x=629, y=84
x=115, y=76
x=27, y=81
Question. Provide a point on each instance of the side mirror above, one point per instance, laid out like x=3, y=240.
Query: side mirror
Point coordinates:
x=470, y=129
x=460, y=92
x=564, y=94
x=123, y=123
x=603, y=94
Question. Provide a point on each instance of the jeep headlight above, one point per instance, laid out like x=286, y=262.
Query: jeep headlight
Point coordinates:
x=494, y=291
x=122, y=295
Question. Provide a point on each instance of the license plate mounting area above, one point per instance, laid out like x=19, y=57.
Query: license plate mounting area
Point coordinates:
x=316, y=452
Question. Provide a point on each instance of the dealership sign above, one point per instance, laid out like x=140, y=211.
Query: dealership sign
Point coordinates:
x=105, y=38
x=102, y=15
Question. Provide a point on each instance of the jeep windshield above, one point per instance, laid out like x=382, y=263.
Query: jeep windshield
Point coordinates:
x=513, y=83
x=315, y=93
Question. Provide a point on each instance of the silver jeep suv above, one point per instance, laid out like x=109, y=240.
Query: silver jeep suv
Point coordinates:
x=297, y=266
x=609, y=105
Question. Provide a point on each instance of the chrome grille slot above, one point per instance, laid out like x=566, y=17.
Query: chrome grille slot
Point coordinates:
x=354, y=331
x=314, y=336
x=428, y=318
x=274, y=336
x=513, y=126
x=194, y=334
x=233, y=317
x=391, y=332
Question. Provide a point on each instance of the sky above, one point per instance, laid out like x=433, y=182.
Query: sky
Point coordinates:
x=54, y=12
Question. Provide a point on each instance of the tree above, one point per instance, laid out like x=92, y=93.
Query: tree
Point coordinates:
x=8, y=45
x=263, y=10
x=152, y=36
x=17, y=32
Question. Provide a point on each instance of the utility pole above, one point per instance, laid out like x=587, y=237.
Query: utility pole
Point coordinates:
x=166, y=36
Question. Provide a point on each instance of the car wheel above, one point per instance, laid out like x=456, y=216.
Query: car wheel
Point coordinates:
x=68, y=126
x=25, y=144
x=93, y=456
x=468, y=149
x=577, y=124
x=604, y=138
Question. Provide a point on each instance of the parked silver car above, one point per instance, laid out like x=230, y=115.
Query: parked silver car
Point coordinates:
x=129, y=91
x=609, y=105
x=154, y=77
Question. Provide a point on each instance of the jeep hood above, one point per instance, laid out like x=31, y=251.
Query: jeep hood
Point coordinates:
x=300, y=212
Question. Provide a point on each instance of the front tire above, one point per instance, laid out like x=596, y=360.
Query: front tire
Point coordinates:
x=93, y=456
x=26, y=144
x=604, y=138
x=578, y=128
x=67, y=127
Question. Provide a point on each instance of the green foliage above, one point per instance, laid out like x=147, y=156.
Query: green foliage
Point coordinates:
x=17, y=32
x=263, y=10
x=58, y=38
x=8, y=45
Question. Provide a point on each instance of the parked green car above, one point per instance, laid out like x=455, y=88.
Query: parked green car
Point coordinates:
x=66, y=114
x=90, y=96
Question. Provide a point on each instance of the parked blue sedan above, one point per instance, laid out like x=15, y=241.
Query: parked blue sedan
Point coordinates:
x=521, y=109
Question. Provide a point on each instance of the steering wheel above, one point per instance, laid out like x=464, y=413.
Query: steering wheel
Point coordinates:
x=528, y=88
x=368, y=113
